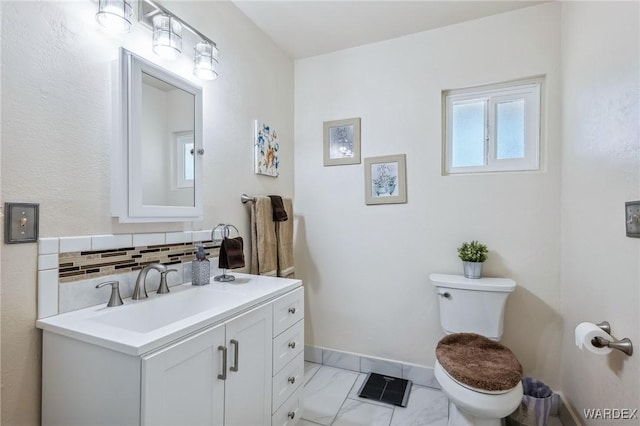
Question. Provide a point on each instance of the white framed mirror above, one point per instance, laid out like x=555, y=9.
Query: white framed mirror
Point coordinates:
x=156, y=173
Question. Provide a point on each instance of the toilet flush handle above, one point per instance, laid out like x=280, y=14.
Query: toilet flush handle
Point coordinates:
x=446, y=295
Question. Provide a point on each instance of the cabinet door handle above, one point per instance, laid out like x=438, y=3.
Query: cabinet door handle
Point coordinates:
x=223, y=376
x=235, y=343
x=291, y=414
x=292, y=311
x=291, y=380
x=292, y=345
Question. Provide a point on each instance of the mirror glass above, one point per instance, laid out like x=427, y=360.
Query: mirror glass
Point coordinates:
x=167, y=126
x=158, y=160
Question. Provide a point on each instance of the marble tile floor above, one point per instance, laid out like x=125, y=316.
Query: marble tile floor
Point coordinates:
x=331, y=399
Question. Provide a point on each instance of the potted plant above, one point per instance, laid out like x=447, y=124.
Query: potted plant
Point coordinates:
x=473, y=254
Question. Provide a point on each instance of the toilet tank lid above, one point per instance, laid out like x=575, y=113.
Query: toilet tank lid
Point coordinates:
x=506, y=285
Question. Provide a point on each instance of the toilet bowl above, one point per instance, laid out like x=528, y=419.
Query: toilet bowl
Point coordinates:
x=473, y=406
x=475, y=307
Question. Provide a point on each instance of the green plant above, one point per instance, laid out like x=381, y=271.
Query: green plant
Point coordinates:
x=473, y=252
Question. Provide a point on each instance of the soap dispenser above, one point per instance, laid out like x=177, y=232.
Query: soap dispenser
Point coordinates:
x=200, y=268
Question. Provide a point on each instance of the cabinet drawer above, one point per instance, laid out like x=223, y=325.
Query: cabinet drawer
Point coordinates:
x=287, y=381
x=287, y=345
x=288, y=310
x=291, y=411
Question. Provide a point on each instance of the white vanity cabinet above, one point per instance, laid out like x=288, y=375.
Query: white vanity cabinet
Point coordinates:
x=288, y=358
x=196, y=361
x=191, y=382
x=224, y=373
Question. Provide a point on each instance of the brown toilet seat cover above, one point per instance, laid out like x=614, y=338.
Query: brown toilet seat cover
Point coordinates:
x=479, y=362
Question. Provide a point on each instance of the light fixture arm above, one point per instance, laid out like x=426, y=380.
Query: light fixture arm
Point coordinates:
x=148, y=9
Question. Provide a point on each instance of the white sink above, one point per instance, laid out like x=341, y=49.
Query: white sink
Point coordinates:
x=150, y=314
x=141, y=326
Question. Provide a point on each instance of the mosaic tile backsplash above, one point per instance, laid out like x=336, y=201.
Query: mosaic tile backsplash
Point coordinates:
x=76, y=266
x=69, y=268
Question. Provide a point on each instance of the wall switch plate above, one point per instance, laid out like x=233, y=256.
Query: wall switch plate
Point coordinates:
x=632, y=217
x=21, y=224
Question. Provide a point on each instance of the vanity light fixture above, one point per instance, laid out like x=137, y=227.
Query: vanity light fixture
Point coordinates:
x=115, y=15
x=167, y=36
x=205, y=61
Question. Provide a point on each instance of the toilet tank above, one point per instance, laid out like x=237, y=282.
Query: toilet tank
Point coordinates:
x=472, y=305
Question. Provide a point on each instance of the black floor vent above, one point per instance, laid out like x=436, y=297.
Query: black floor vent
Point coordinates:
x=386, y=389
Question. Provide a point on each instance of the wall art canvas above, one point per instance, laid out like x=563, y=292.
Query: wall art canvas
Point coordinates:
x=342, y=142
x=266, y=147
x=385, y=179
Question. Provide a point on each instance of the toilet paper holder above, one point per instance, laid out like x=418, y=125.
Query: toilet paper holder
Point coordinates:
x=623, y=345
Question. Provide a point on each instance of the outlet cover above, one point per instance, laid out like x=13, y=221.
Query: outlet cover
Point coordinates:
x=632, y=217
x=21, y=224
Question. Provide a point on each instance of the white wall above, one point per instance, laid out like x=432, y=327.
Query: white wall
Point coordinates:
x=56, y=136
x=366, y=268
x=600, y=171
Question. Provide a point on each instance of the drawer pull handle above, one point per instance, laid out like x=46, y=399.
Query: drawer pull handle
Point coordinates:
x=223, y=376
x=235, y=355
x=291, y=380
x=291, y=414
x=292, y=345
x=292, y=311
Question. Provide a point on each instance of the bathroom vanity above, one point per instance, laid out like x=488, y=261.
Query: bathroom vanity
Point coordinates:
x=225, y=353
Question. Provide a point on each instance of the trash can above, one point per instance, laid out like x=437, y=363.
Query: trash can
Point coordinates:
x=535, y=406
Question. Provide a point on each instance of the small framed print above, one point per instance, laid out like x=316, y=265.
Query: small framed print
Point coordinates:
x=342, y=142
x=266, y=147
x=385, y=179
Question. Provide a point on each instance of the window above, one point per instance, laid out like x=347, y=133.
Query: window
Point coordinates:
x=185, y=160
x=493, y=128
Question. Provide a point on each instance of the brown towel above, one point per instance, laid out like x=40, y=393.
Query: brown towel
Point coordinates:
x=279, y=213
x=231, y=254
x=479, y=362
x=264, y=247
x=284, y=236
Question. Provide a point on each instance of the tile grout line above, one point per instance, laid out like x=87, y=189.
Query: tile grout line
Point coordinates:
x=345, y=399
x=313, y=375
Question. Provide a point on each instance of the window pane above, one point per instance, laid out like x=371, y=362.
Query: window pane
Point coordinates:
x=510, y=129
x=467, y=138
x=188, y=161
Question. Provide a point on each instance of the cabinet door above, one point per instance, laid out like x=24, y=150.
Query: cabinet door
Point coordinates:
x=180, y=384
x=248, y=385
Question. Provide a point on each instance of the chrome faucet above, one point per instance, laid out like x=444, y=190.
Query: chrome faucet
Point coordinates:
x=140, y=291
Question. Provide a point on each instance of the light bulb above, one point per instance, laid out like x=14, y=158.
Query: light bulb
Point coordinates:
x=114, y=15
x=205, y=60
x=167, y=36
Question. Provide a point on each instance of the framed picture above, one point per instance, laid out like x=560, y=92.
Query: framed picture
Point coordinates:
x=385, y=179
x=266, y=150
x=342, y=142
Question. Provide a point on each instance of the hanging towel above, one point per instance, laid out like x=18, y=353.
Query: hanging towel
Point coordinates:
x=284, y=237
x=231, y=254
x=279, y=212
x=264, y=246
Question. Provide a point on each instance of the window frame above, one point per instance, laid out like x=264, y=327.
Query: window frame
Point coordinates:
x=531, y=91
x=181, y=140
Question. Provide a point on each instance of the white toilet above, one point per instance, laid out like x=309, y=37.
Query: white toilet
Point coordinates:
x=475, y=306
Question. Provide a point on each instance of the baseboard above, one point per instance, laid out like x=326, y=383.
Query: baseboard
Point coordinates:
x=419, y=374
x=568, y=417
